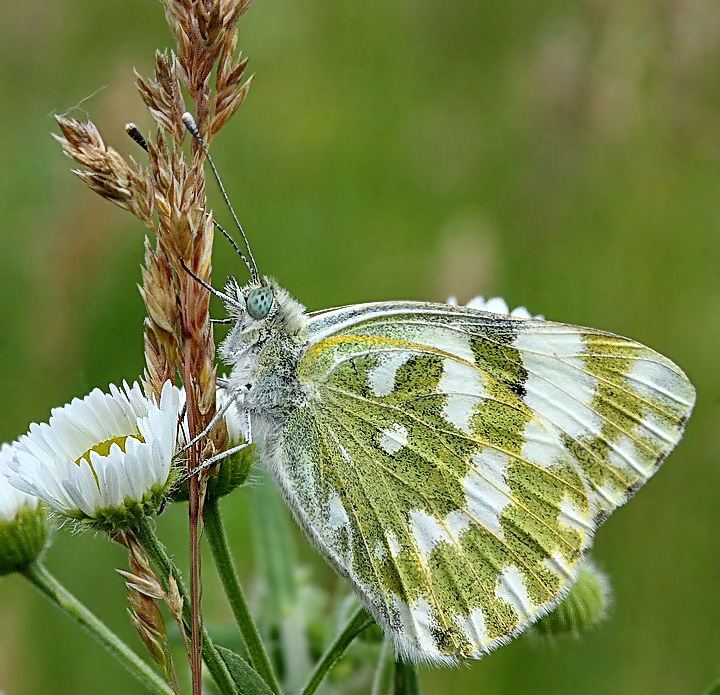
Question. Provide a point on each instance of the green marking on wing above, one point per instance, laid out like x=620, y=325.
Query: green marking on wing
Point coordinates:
x=619, y=407
x=494, y=354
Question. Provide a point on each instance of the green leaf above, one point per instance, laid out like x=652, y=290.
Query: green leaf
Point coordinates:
x=245, y=677
x=714, y=689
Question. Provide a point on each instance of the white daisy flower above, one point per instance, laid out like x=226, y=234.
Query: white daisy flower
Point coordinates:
x=233, y=421
x=23, y=530
x=497, y=305
x=13, y=502
x=104, y=458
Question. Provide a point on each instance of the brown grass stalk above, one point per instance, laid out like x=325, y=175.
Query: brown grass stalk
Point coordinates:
x=168, y=197
x=144, y=591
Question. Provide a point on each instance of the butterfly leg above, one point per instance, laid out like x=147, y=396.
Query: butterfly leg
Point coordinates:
x=223, y=454
x=214, y=459
x=218, y=414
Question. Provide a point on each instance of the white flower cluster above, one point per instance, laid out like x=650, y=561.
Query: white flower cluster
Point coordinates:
x=497, y=305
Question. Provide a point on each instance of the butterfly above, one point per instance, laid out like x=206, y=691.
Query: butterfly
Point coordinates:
x=450, y=463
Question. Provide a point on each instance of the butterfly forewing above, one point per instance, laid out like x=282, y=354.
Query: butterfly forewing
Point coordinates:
x=618, y=407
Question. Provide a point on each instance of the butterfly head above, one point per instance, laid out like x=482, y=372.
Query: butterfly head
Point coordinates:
x=260, y=311
x=252, y=304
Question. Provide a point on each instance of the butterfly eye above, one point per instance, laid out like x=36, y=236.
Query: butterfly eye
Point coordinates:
x=259, y=301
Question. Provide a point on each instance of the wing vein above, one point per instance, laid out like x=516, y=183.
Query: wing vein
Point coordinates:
x=478, y=441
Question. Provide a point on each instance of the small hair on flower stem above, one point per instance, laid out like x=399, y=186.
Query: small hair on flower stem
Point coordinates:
x=132, y=130
x=190, y=124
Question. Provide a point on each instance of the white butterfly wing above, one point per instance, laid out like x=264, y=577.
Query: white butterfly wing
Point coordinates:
x=451, y=464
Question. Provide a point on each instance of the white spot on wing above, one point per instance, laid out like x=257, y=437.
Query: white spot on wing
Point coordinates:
x=339, y=521
x=416, y=621
x=460, y=377
x=611, y=495
x=337, y=516
x=393, y=439
x=427, y=532
x=486, y=491
x=458, y=411
x=557, y=387
x=652, y=379
x=556, y=563
x=422, y=617
x=656, y=427
x=540, y=447
x=473, y=625
x=442, y=338
x=457, y=522
x=393, y=544
x=381, y=378
x=572, y=517
x=511, y=589
x=379, y=551
x=486, y=496
x=463, y=384
x=623, y=456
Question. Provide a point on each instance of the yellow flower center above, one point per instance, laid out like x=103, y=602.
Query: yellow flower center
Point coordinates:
x=103, y=448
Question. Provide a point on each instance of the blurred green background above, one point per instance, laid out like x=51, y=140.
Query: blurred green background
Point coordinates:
x=564, y=155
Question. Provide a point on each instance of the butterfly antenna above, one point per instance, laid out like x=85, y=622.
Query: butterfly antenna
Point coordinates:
x=232, y=242
x=190, y=124
x=225, y=297
x=132, y=130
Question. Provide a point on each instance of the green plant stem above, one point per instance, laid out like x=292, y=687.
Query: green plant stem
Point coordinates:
x=159, y=555
x=39, y=576
x=228, y=576
x=359, y=621
x=406, y=679
x=383, y=681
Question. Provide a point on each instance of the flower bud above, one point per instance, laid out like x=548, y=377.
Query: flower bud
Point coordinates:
x=23, y=526
x=584, y=606
x=233, y=470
